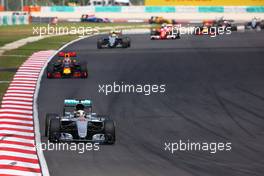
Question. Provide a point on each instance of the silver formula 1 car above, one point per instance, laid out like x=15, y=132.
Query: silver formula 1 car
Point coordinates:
x=79, y=124
x=255, y=24
x=114, y=40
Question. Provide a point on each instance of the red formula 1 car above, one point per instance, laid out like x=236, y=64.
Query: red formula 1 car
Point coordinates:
x=207, y=28
x=67, y=67
x=165, y=32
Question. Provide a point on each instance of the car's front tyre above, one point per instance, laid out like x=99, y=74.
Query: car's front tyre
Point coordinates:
x=54, y=130
x=126, y=42
x=109, y=129
x=49, y=116
x=99, y=44
x=50, y=71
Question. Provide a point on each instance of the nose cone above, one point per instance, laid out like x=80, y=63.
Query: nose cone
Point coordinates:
x=67, y=71
x=82, y=128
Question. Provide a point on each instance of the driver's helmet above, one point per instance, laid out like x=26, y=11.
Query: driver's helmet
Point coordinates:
x=254, y=22
x=163, y=25
x=79, y=107
x=80, y=114
x=67, y=60
x=113, y=33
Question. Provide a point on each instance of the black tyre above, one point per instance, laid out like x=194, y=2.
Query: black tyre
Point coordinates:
x=50, y=70
x=99, y=44
x=47, y=121
x=262, y=24
x=54, y=130
x=109, y=129
x=84, y=70
x=125, y=42
x=234, y=28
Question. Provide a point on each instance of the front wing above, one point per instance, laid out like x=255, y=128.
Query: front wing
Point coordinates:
x=96, y=138
x=75, y=74
x=158, y=37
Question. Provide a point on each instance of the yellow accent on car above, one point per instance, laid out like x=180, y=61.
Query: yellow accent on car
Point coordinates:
x=66, y=71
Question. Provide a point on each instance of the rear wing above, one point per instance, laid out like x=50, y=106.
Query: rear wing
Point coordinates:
x=67, y=54
x=74, y=102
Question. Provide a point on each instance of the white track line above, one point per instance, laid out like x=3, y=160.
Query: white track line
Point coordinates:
x=17, y=127
x=19, y=163
x=17, y=172
x=16, y=132
x=17, y=102
x=43, y=163
x=4, y=105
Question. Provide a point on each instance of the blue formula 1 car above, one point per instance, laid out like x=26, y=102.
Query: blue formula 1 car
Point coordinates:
x=93, y=19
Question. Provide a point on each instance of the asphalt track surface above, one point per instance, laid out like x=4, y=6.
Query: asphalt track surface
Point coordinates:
x=214, y=93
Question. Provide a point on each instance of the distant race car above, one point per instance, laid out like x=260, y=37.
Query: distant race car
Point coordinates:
x=221, y=22
x=79, y=124
x=94, y=19
x=207, y=28
x=114, y=40
x=161, y=20
x=67, y=67
x=166, y=31
x=255, y=23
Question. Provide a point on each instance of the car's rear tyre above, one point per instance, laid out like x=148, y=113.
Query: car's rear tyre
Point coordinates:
x=99, y=44
x=49, y=116
x=54, y=130
x=261, y=24
x=49, y=71
x=129, y=43
x=109, y=129
x=126, y=42
x=84, y=70
x=233, y=28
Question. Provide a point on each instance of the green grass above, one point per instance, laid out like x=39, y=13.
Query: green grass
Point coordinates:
x=25, y=51
x=14, y=58
x=9, y=34
x=6, y=76
x=3, y=87
x=12, y=33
